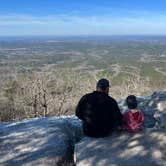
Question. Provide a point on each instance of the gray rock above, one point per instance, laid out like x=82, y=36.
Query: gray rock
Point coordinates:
x=157, y=106
x=123, y=149
x=160, y=115
x=46, y=141
x=50, y=141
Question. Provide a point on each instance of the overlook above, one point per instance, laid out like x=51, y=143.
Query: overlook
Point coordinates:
x=60, y=141
x=82, y=83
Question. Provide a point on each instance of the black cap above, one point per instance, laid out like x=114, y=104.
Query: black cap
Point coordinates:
x=103, y=83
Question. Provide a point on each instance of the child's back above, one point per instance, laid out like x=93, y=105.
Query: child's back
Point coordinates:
x=133, y=118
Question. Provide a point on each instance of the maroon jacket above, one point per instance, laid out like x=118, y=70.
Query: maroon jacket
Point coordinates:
x=132, y=122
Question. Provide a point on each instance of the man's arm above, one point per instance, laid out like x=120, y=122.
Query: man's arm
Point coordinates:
x=79, y=109
x=118, y=114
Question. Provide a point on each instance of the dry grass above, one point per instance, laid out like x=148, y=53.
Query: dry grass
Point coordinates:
x=42, y=94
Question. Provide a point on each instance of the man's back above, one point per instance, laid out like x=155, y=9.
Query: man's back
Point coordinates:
x=99, y=112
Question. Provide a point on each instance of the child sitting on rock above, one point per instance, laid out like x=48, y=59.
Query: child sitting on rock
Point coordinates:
x=133, y=118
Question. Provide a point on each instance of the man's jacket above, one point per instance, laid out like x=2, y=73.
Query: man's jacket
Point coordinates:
x=100, y=114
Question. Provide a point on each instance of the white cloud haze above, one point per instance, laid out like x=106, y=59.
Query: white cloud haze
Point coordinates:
x=14, y=24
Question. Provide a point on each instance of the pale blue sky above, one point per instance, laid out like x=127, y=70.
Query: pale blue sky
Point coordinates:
x=78, y=17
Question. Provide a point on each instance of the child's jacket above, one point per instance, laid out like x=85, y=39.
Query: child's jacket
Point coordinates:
x=132, y=122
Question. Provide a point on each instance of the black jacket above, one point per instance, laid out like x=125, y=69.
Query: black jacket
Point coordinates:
x=100, y=114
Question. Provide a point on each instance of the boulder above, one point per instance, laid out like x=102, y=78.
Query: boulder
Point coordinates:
x=123, y=149
x=51, y=141
x=160, y=114
x=46, y=141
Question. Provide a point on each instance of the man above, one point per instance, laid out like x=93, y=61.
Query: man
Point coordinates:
x=99, y=112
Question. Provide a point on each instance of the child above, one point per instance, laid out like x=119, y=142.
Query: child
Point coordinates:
x=133, y=118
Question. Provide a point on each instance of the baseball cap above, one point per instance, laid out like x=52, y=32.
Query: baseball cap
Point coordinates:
x=103, y=83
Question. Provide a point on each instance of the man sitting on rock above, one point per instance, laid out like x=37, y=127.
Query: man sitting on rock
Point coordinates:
x=99, y=112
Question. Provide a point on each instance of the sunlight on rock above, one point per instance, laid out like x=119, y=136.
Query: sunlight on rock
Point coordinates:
x=156, y=154
x=151, y=103
x=144, y=148
x=161, y=106
x=39, y=142
x=133, y=143
x=131, y=152
x=136, y=136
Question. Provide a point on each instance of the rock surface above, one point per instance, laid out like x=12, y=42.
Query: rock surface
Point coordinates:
x=50, y=141
x=46, y=141
x=147, y=148
x=124, y=149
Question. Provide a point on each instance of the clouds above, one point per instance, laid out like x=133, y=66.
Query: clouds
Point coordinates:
x=133, y=23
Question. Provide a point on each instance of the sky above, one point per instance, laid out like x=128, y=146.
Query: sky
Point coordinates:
x=82, y=17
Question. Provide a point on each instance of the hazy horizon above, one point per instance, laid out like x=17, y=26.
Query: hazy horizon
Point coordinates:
x=86, y=38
